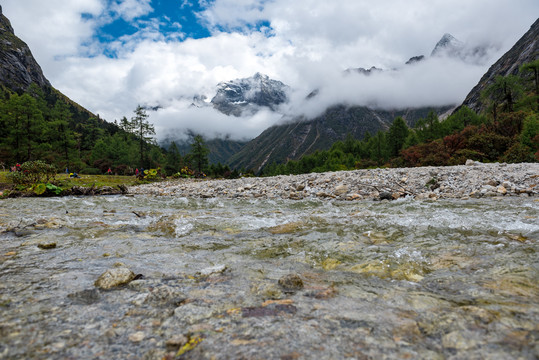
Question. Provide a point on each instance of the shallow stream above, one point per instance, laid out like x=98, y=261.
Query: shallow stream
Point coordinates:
x=403, y=279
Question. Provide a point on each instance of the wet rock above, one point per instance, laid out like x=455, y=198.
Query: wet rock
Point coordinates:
x=47, y=246
x=85, y=297
x=193, y=313
x=410, y=271
x=23, y=232
x=300, y=187
x=217, y=269
x=274, y=309
x=137, y=337
x=323, y=293
x=175, y=342
x=386, y=195
x=117, y=276
x=291, y=282
x=458, y=340
x=267, y=291
x=164, y=295
x=286, y=228
x=330, y=264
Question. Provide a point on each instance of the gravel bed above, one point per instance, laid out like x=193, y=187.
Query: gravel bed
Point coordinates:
x=461, y=182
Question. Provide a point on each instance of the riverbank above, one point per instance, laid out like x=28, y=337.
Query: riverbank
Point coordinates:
x=456, y=182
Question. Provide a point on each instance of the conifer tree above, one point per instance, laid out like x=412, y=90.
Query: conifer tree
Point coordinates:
x=199, y=153
x=142, y=129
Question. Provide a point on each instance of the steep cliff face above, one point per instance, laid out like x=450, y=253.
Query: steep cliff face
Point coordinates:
x=525, y=50
x=18, y=68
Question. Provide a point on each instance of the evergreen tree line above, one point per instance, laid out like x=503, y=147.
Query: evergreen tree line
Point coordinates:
x=508, y=131
x=44, y=125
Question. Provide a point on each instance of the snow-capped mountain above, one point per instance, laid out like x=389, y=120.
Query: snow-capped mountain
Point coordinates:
x=246, y=96
x=448, y=46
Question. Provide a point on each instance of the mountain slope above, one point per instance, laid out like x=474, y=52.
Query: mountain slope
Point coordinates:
x=525, y=50
x=291, y=141
x=220, y=149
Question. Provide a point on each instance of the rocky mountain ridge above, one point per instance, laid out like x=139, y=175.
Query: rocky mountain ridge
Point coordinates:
x=18, y=68
x=246, y=96
x=525, y=50
x=451, y=47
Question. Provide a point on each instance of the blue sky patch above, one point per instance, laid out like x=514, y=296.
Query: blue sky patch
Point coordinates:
x=177, y=20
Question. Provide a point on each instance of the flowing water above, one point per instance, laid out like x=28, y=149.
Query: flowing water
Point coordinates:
x=404, y=279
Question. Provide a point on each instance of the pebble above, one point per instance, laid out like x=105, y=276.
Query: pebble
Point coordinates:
x=176, y=342
x=291, y=282
x=137, y=337
x=46, y=246
x=117, y=276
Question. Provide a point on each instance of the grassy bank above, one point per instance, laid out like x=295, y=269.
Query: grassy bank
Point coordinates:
x=65, y=183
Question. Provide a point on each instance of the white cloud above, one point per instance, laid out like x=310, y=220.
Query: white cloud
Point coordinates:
x=131, y=9
x=309, y=45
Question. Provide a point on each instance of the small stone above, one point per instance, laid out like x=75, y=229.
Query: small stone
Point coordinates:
x=502, y=190
x=175, y=342
x=217, y=269
x=291, y=282
x=341, y=190
x=456, y=340
x=385, y=195
x=136, y=337
x=46, y=246
x=114, y=277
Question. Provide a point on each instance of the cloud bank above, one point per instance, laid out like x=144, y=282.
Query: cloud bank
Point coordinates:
x=307, y=44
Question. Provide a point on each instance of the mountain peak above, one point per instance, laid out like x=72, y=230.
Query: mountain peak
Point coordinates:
x=448, y=44
x=235, y=96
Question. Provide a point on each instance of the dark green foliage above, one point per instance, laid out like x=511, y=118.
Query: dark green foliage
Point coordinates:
x=199, y=154
x=142, y=129
x=509, y=132
x=33, y=172
x=43, y=124
x=91, y=171
x=530, y=76
x=396, y=136
x=503, y=94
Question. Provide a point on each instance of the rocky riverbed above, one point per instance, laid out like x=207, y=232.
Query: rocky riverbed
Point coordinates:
x=471, y=180
x=278, y=268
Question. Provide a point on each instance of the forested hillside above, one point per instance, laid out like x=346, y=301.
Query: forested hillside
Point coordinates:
x=37, y=122
x=507, y=131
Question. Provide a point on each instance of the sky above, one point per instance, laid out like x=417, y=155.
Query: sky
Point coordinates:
x=111, y=55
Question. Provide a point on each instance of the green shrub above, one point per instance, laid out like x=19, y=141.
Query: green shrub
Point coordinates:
x=33, y=172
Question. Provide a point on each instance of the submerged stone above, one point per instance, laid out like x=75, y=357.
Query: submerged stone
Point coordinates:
x=46, y=246
x=291, y=282
x=86, y=297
